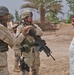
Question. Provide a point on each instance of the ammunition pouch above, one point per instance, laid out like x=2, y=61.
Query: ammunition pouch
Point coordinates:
x=3, y=46
x=3, y=49
x=25, y=48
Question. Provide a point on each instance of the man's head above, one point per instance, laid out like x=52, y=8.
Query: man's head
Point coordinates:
x=4, y=12
x=27, y=15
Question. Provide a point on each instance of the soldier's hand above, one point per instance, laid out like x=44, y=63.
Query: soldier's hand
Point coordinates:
x=25, y=29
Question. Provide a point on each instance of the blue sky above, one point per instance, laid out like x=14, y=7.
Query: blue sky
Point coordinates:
x=12, y=5
x=16, y=4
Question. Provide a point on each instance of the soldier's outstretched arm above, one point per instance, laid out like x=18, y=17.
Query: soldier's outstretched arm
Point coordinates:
x=21, y=36
x=6, y=36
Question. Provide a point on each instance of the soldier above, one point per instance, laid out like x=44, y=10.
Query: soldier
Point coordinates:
x=31, y=55
x=5, y=40
x=17, y=53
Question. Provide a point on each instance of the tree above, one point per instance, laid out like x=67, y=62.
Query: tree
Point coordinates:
x=17, y=16
x=11, y=17
x=71, y=11
x=52, y=17
x=71, y=5
x=43, y=6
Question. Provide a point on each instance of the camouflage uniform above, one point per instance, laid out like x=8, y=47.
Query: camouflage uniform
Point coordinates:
x=32, y=57
x=17, y=54
x=16, y=49
x=3, y=64
x=5, y=40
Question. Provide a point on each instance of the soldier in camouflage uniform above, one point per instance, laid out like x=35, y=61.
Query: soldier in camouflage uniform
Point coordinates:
x=5, y=40
x=31, y=55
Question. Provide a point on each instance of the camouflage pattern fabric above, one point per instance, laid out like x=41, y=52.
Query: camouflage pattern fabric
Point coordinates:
x=3, y=64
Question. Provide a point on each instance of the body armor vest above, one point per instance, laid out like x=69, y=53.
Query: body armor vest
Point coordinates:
x=3, y=46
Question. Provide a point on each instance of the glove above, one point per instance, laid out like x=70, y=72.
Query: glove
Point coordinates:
x=44, y=42
x=32, y=32
x=25, y=29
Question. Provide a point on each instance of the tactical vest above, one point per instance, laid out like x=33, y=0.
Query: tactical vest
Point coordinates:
x=27, y=43
x=3, y=46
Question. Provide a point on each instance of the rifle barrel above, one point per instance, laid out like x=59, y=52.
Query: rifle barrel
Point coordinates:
x=52, y=57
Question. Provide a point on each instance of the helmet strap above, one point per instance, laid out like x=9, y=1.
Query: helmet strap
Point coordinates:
x=27, y=20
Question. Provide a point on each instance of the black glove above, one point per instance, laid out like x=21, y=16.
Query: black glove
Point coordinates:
x=32, y=33
x=44, y=42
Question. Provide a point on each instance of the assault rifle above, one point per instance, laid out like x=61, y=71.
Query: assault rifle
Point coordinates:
x=23, y=65
x=42, y=47
x=41, y=44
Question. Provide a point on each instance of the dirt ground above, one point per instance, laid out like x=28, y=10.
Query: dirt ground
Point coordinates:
x=59, y=45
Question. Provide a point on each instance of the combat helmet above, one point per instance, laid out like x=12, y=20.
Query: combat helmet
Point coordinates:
x=26, y=13
x=3, y=10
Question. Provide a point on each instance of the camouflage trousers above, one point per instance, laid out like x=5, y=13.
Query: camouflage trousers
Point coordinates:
x=3, y=64
x=17, y=54
x=33, y=61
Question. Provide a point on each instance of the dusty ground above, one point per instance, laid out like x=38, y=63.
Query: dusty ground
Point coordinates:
x=59, y=45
